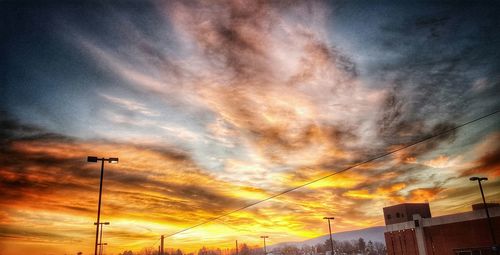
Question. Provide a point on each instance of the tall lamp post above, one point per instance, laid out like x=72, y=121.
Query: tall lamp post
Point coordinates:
x=94, y=159
x=479, y=180
x=100, y=238
x=265, y=249
x=330, y=229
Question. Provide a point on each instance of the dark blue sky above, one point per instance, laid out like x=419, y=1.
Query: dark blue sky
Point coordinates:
x=49, y=81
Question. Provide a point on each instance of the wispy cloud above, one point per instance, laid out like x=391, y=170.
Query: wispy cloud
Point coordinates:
x=212, y=106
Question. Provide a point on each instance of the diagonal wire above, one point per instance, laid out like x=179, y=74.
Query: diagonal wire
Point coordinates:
x=429, y=137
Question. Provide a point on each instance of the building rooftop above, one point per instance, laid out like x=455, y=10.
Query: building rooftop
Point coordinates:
x=445, y=219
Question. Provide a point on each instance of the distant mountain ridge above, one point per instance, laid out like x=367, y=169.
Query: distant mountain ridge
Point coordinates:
x=374, y=234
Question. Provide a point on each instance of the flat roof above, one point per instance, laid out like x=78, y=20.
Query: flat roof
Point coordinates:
x=445, y=219
x=406, y=204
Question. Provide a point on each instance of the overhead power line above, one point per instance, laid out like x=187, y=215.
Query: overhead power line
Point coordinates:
x=422, y=140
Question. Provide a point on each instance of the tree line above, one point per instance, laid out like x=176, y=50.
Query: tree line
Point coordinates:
x=353, y=247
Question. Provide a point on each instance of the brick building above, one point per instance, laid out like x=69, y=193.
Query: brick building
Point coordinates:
x=411, y=230
x=404, y=212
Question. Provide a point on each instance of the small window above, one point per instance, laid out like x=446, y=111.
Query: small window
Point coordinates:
x=397, y=215
x=388, y=216
x=402, y=215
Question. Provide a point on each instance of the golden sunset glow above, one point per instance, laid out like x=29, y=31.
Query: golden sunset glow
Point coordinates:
x=216, y=106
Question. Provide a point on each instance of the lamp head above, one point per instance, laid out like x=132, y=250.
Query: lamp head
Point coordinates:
x=102, y=223
x=475, y=178
x=91, y=159
x=113, y=160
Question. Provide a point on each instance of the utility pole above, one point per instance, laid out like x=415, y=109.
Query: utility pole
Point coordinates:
x=492, y=232
x=161, y=245
x=330, y=229
x=94, y=159
x=236, y=247
x=265, y=249
x=159, y=250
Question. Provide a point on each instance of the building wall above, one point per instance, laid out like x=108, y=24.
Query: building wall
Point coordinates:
x=404, y=212
x=401, y=242
x=443, y=234
x=422, y=209
x=442, y=239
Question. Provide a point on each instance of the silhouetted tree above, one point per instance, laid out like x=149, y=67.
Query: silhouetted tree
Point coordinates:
x=206, y=251
x=244, y=250
x=307, y=250
x=380, y=248
x=147, y=251
x=361, y=245
x=290, y=250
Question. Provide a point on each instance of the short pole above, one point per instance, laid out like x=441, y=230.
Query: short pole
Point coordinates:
x=265, y=249
x=162, y=240
x=330, y=230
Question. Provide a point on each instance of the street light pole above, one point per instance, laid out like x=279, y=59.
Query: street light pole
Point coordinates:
x=94, y=159
x=100, y=238
x=264, y=237
x=330, y=229
x=101, y=248
x=492, y=232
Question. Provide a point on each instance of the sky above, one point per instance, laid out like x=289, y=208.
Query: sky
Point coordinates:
x=214, y=105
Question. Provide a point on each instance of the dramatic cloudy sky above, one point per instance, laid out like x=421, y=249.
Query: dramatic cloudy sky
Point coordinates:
x=214, y=105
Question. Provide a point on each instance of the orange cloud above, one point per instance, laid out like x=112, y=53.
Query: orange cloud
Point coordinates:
x=489, y=161
x=424, y=194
